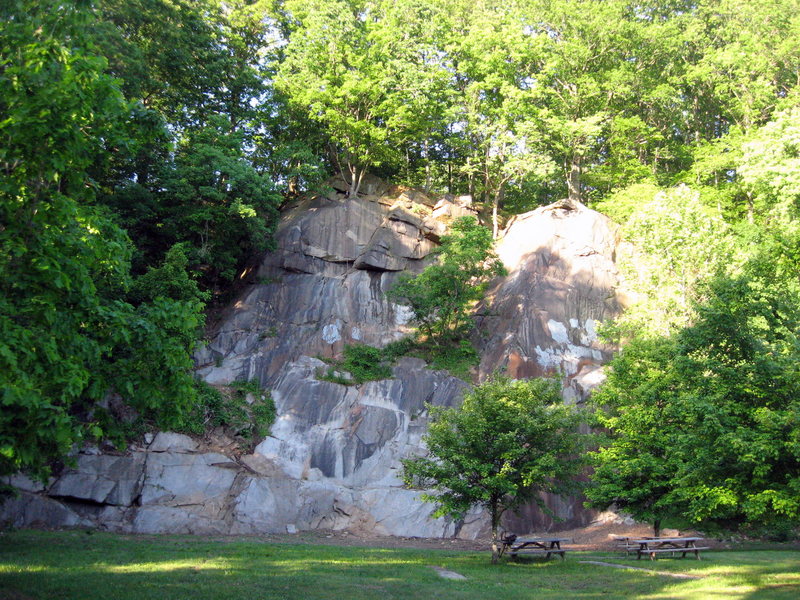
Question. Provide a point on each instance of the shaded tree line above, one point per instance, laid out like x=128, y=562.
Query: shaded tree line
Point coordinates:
x=146, y=146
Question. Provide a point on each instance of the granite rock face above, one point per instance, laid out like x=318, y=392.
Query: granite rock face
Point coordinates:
x=324, y=285
x=561, y=285
x=332, y=459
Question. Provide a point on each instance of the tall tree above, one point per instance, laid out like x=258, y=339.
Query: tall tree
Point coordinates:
x=67, y=337
x=636, y=467
x=676, y=244
x=496, y=58
x=704, y=425
x=359, y=76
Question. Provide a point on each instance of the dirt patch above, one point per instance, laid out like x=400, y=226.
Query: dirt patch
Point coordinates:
x=595, y=537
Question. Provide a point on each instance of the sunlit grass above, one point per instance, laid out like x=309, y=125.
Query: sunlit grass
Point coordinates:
x=73, y=564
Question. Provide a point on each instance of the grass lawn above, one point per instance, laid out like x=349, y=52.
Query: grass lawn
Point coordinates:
x=70, y=565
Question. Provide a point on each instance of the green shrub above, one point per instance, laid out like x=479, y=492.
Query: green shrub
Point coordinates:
x=458, y=359
x=364, y=363
x=228, y=408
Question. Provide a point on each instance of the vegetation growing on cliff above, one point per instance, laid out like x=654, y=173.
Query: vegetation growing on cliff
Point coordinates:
x=442, y=295
x=146, y=145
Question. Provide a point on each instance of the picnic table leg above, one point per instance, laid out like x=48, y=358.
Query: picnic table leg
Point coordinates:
x=557, y=545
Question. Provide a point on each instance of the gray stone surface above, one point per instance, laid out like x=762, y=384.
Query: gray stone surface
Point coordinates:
x=543, y=317
x=167, y=441
x=197, y=481
x=333, y=456
x=103, y=479
x=24, y=483
x=33, y=510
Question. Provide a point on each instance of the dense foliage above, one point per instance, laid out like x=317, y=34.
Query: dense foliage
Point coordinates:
x=704, y=423
x=441, y=296
x=146, y=145
x=508, y=441
x=70, y=331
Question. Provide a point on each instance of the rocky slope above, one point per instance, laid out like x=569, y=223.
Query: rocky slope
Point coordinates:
x=332, y=459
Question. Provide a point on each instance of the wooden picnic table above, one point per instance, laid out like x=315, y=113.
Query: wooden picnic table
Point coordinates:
x=684, y=545
x=531, y=545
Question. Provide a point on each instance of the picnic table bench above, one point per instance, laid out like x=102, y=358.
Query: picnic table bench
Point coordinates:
x=625, y=544
x=530, y=545
x=653, y=546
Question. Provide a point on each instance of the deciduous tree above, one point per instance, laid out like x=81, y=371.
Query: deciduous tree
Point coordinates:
x=507, y=443
x=67, y=335
x=441, y=296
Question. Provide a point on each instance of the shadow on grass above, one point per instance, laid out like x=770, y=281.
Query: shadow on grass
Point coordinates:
x=101, y=566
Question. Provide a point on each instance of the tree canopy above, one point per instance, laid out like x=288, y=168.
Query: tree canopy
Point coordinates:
x=147, y=145
x=703, y=423
x=70, y=335
x=509, y=441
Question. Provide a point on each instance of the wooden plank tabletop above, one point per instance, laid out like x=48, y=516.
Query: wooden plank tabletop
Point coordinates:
x=667, y=540
x=520, y=540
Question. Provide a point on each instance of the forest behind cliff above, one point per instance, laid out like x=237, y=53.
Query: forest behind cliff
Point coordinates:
x=147, y=146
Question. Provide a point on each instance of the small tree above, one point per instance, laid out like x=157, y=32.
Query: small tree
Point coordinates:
x=510, y=440
x=443, y=293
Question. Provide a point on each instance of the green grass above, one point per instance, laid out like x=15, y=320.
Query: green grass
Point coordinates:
x=78, y=565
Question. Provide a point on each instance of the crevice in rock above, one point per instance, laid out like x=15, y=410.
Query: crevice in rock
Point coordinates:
x=74, y=502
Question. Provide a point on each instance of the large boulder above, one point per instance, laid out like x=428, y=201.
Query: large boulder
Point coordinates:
x=543, y=317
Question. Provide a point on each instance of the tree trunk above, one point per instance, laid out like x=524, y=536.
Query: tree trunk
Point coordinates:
x=498, y=198
x=449, y=175
x=356, y=175
x=657, y=528
x=495, y=547
x=574, y=183
x=495, y=528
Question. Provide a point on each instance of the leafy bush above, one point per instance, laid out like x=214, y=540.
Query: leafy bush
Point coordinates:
x=364, y=363
x=458, y=359
x=228, y=408
x=442, y=295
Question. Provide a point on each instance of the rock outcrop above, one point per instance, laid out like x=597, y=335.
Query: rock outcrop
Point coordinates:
x=332, y=459
x=561, y=285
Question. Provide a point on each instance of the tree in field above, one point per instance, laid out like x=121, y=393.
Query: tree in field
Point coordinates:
x=508, y=442
x=741, y=362
x=441, y=296
x=635, y=469
x=705, y=425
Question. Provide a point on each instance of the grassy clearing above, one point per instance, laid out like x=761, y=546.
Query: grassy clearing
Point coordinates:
x=77, y=565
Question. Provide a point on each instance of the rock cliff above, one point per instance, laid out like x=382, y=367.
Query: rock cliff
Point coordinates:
x=333, y=457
